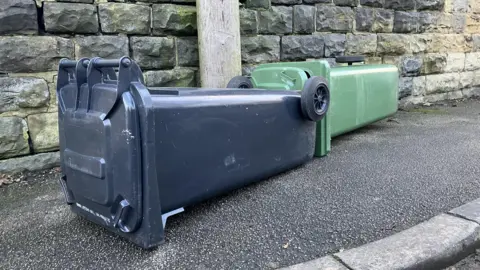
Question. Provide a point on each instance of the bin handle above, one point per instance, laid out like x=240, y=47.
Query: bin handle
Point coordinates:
x=81, y=77
x=66, y=63
x=121, y=215
x=98, y=69
x=111, y=63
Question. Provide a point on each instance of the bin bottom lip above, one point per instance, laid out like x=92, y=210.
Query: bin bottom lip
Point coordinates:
x=347, y=130
x=86, y=210
x=171, y=213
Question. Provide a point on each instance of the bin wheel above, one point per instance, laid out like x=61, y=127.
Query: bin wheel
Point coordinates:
x=315, y=98
x=240, y=82
x=350, y=59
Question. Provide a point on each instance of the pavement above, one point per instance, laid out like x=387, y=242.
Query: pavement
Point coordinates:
x=376, y=182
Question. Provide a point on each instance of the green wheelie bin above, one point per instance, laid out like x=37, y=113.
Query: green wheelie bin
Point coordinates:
x=360, y=94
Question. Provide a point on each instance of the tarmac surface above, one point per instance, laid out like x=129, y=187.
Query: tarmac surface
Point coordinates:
x=377, y=181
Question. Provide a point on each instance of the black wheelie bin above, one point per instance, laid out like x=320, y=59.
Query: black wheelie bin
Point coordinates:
x=131, y=156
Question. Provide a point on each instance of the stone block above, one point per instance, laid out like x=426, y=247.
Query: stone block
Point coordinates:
x=349, y=3
x=248, y=22
x=374, y=20
x=454, y=95
x=364, y=18
x=419, y=86
x=373, y=60
x=74, y=1
x=295, y=48
x=286, y=2
x=459, y=23
x=442, y=236
x=383, y=21
x=260, y=49
x=30, y=163
x=363, y=44
x=410, y=101
x=169, y=19
x=373, y=3
x=33, y=54
x=434, y=63
x=448, y=43
x=430, y=4
x=327, y=263
x=441, y=83
x=303, y=19
x=53, y=103
x=101, y=46
x=437, y=22
x=13, y=137
x=472, y=61
x=178, y=77
x=43, y=131
x=317, y=1
x=70, y=18
x=394, y=60
x=476, y=78
x=400, y=4
x=258, y=4
x=405, y=86
x=276, y=20
x=467, y=79
x=406, y=22
x=187, y=51
x=420, y=43
x=334, y=19
x=398, y=44
x=49, y=77
x=124, y=18
x=153, y=52
x=476, y=43
x=457, y=6
x=21, y=96
x=455, y=62
x=473, y=24
x=334, y=44
x=18, y=17
x=411, y=65
x=428, y=22
x=471, y=92
x=435, y=97
x=474, y=6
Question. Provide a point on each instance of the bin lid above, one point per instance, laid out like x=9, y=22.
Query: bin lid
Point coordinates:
x=100, y=150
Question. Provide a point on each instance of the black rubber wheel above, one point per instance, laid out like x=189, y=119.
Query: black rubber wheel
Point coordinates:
x=240, y=82
x=350, y=59
x=315, y=98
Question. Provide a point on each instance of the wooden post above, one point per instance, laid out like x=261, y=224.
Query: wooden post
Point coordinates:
x=219, y=48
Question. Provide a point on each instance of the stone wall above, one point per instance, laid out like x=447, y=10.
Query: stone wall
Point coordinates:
x=435, y=44
x=34, y=35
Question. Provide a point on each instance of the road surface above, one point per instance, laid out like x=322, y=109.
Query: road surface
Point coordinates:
x=376, y=181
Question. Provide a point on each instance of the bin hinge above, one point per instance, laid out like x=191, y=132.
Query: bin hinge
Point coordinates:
x=68, y=195
x=121, y=216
